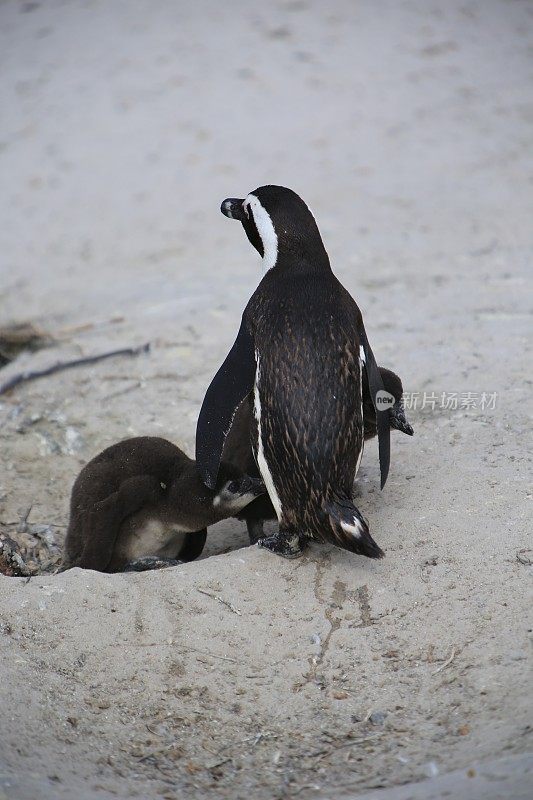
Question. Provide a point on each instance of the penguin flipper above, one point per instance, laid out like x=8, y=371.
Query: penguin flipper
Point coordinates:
x=375, y=383
x=231, y=385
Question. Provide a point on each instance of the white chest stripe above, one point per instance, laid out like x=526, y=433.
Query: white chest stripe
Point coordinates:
x=265, y=229
x=261, y=460
x=359, y=457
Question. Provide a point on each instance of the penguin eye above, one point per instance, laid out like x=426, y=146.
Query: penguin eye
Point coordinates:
x=233, y=487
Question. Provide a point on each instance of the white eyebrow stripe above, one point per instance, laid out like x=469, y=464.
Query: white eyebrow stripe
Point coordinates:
x=265, y=229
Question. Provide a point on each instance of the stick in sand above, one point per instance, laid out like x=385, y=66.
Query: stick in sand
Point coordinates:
x=24, y=377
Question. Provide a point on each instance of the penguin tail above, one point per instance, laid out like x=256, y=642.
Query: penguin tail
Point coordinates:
x=350, y=530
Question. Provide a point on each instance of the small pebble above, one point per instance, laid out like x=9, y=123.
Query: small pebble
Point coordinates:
x=340, y=695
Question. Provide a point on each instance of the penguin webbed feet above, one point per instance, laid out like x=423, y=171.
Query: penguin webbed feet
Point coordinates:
x=287, y=544
x=255, y=515
x=255, y=530
x=150, y=562
x=398, y=420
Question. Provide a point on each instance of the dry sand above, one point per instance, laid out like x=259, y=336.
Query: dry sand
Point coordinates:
x=407, y=126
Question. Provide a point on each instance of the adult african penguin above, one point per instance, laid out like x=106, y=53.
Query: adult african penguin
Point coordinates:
x=300, y=353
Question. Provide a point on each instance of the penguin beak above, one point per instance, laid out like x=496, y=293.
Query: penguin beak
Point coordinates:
x=232, y=208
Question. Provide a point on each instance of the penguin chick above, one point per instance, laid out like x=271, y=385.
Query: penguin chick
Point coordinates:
x=393, y=386
x=133, y=505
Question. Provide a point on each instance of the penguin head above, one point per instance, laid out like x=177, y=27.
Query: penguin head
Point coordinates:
x=392, y=383
x=278, y=224
x=235, y=490
x=394, y=387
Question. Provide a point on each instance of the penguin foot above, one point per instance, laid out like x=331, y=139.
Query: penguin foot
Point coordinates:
x=150, y=562
x=398, y=419
x=255, y=530
x=285, y=543
x=192, y=546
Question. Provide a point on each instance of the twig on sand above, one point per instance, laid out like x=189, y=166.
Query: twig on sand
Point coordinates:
x=24, y=377
x=184, y=647
x=446, y=663
x=351, y=743
x=119, y=392
x=221, y=600
x=523, y=558
x=211, y=655
x=23, y=525
x=217, y=764
x=314, y=786
x=66, y=333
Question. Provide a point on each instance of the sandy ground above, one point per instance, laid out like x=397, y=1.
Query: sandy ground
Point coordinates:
x=407, y=126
